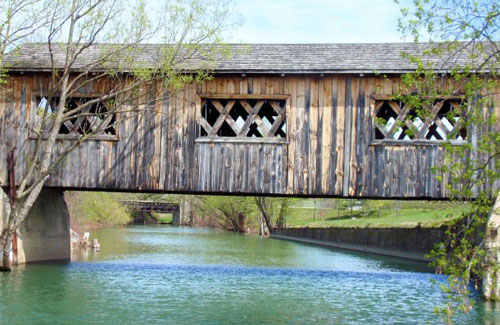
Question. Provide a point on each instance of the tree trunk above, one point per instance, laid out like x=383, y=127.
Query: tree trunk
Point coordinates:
x=261, y=204
x=491, y=279
x=268, y=223
x=22, y=205
x=6, y=241
x=18, y=213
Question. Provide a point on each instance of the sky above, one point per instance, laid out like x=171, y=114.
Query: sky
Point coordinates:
x=316, y=21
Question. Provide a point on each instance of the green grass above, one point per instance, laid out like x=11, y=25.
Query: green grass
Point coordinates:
x=392, y=214
x=163, y=217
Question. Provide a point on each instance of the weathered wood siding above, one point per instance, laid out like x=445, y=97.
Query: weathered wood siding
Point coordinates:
x=329, y=150
x=241, y=168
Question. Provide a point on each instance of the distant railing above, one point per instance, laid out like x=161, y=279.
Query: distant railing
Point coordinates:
x=152, y=206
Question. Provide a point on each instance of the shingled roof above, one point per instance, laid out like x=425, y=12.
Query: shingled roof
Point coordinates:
x=261, y=58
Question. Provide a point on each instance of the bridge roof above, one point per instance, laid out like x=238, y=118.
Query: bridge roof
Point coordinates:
x=259, y=58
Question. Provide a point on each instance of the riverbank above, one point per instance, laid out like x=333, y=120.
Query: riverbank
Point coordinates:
x=90, y=211
x=373, y=214
x=410, y=243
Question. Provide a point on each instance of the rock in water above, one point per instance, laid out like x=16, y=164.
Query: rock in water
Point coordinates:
x=95, y=244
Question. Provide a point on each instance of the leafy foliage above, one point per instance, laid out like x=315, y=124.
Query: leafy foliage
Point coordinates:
x=242, y=213
x=273, y=211
x=469, y=54
x=103, y=41
x=229, y=212
x=91, y=210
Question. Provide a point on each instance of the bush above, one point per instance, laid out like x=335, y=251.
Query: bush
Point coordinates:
x=91, y=210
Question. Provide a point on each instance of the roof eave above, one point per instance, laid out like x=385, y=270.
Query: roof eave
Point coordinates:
x=257, y=71
x=244, y=71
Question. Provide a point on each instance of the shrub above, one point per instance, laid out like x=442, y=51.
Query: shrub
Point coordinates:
x=90, y=210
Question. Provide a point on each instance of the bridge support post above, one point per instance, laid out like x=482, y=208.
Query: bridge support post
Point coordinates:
x=186, y=211
x=184, y=215
x=491, y=279
x=176, y=218
x=44, y=235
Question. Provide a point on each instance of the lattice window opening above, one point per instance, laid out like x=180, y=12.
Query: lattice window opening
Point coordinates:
x=441, y=122
x=96, y=119
x=44, y=111
x=250, y=118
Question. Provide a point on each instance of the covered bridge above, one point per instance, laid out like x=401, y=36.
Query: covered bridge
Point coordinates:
x=275, y=119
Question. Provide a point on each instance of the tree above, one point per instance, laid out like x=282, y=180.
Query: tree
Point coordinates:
x=228, y=212
x=465, y=62
x=115, y=30
x=19, y=22
x=273, y=211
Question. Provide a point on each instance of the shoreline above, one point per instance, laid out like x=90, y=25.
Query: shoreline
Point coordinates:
x=408, y=243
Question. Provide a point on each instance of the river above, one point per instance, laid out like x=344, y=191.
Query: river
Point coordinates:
x=173, y=275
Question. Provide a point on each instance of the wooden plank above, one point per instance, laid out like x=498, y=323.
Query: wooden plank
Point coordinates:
x=300, y=172
x=243, y=140
x=384, y=97
x=291, y=104
x=252, y=111
x=243, y=85
x=164, y=144
x=276, y=106
x=417, y=142
x=362, y=138
x=355, y=131
x=368, y=136
x=347, y=135
x=193, y=133
x=428, y=120
x=281, y=117
x=21, y=124
x=341, y=136
x=313, y=136
x=325, y=133
x=224, y=112
x=276, y=124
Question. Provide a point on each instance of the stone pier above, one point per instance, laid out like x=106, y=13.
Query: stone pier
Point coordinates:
x=185, y=214
x=44, y=235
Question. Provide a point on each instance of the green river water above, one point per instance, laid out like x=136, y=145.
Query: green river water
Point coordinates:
x=172, y=275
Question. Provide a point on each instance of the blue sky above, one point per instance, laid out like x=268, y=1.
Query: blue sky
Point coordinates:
x=316, y=21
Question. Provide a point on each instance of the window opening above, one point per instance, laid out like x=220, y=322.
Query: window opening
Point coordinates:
x=396, y=121
x=95, y=118
x=253, y=118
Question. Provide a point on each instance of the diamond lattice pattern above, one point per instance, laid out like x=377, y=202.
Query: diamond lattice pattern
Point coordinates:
x=396, y=121
x=259, y=118
x=95, y=119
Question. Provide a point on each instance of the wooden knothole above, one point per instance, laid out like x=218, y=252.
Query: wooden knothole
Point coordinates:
x=243, y=118
x=443, y=120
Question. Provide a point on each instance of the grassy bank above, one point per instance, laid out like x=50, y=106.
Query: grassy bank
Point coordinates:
x=93, y=210
x=405, y=214
x=163, y=218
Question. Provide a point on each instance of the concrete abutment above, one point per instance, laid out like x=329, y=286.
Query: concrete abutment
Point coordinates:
x=45, y=234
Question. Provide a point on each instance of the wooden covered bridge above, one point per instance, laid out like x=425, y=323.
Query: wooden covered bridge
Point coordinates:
x=275, y=120
x=298, y=120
